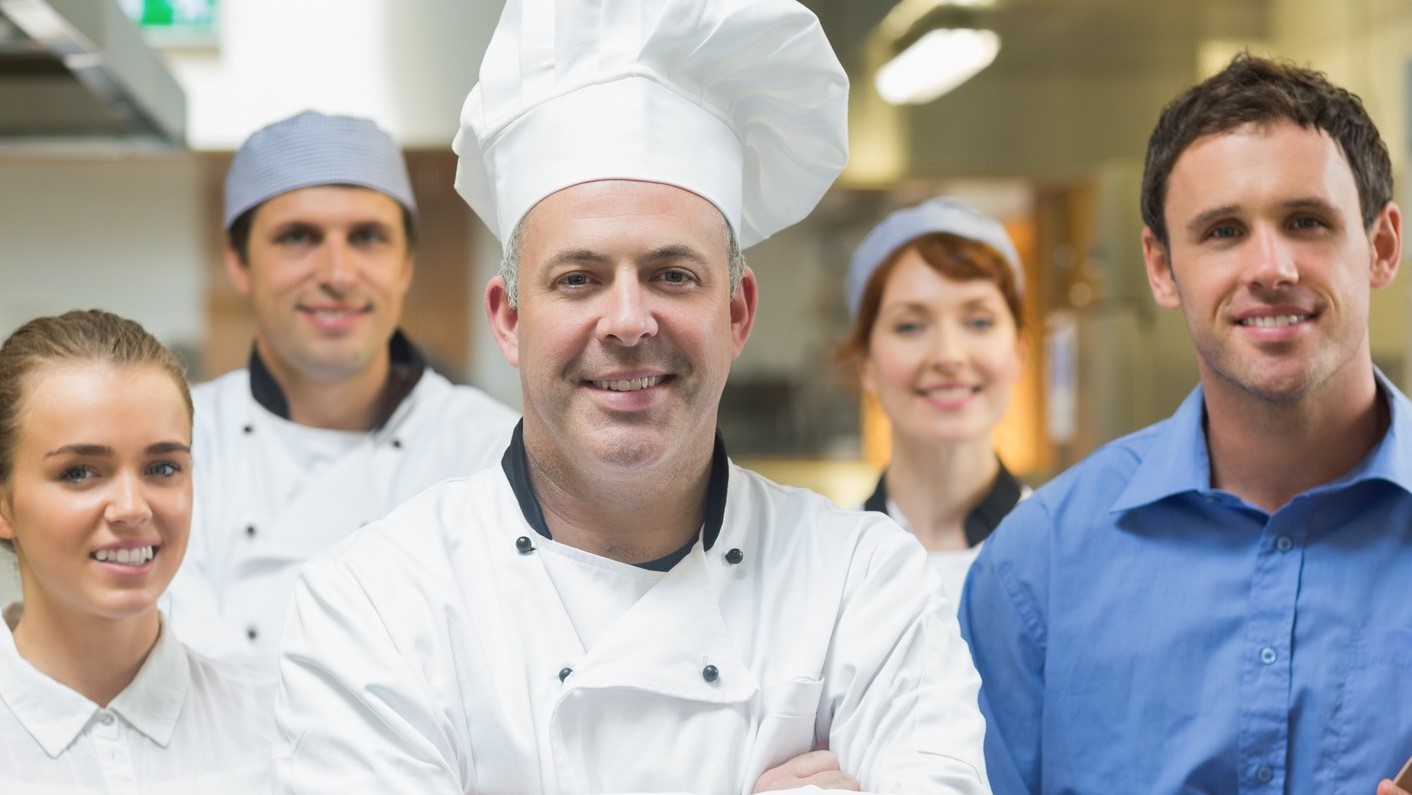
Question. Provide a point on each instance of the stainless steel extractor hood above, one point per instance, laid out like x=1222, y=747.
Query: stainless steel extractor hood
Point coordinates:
x=77, y=74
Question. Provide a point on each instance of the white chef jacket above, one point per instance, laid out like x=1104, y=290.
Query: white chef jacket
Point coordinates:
x=269, y=493
x=433, y=654
x=185, y=725
x=953, y=565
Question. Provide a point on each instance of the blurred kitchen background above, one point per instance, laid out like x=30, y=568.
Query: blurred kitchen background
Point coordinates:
x=118, y=118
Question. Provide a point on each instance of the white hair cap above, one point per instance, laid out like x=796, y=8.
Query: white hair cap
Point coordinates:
x=942, y=214
x=742, y=102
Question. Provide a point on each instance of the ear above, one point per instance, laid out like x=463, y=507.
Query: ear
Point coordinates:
x=7, y=525
x=743, y=310
x=409, y=267
x=237, y=271
x=867, y=381
x=1385, y=243
x=1158, y=260
x=504, y=320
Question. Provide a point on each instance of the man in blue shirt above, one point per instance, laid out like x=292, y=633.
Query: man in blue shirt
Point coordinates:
x=1219, y=602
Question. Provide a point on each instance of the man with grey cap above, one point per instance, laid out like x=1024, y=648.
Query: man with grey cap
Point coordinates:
x=617, y=607
x=337, y=419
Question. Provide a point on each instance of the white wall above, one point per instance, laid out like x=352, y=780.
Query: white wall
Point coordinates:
x=406, y=64
x=122, y=235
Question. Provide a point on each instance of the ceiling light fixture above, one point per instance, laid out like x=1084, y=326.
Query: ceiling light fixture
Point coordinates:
x=936, y=63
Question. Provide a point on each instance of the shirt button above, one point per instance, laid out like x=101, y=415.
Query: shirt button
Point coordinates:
x=249, y=429
x=734, y=556
x=397, y=444
x=250, y=531
x=252, y=633
x=564, y=673
x=1284, y=543
x=524, y=545
x=1264, y=774
x=105, y=718
x=710, y=673
x=1268, y=655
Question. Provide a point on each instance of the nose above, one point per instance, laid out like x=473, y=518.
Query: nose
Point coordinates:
x=128, y=502
x=946, y=349
x=1272, y=264
x=335, y=266
x=627, y=315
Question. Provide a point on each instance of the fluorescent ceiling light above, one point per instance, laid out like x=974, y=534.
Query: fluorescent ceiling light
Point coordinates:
x=936, y=63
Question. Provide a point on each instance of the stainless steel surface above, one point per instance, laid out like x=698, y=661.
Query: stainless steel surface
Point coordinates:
x=76, y=74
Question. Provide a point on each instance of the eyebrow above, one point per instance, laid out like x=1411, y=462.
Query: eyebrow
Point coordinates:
x=668, y=253
x=100, y=450
x=1303, y=203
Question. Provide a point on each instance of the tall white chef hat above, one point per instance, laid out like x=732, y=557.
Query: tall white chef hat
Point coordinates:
x=742, y=102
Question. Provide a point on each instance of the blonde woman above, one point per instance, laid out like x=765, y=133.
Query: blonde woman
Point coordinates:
x=96, y=694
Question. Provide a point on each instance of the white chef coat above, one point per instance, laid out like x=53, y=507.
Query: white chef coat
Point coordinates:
x=953, y=565
x=430, y=654
x=185, y=725
x=270, y=493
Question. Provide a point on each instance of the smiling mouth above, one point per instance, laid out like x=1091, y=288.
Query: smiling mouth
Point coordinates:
x=949, y=392
x=135, y=556
x=334, y=314
x=1274, y=321
x=630, y=384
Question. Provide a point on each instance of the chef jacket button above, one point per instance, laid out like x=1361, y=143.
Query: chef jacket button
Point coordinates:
x=105, y=718
x=397, y=444
x=250, y=530
x=564, y=673
x=249, y=429
x=524, y=545
x=252, y=633
x=734, y=556
x=710, y=673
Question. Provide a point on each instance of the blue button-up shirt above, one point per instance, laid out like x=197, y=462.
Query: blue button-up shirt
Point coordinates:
x=1138, y=631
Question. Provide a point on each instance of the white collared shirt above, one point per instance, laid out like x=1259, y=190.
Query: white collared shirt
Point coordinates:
x=185, y=724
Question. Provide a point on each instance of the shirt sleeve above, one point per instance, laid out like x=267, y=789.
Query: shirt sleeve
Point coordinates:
x=350, y=709
x=1002, y=621
x=903, y=688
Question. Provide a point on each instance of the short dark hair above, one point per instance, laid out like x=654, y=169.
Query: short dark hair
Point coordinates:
x=1263, y=91
x=238, y=236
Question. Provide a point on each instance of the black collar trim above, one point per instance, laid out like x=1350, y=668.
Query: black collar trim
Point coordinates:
x=407, y=367
x=983, y=519
x=515, y=463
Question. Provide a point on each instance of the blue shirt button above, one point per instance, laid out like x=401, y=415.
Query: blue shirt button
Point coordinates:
x=1268, y=656
x=1264, y=774
x=1284, y=544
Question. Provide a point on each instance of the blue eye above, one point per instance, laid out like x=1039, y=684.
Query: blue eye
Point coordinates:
x=575, y=279
x=78, y=474
x=676, y=277
x=165, y=469
x=980, y=323
x=907, y=327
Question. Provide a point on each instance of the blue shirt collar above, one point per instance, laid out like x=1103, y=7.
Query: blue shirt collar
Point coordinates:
x=1178, y=460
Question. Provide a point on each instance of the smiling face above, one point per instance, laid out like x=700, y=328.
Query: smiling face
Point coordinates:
x=943, y=354
x=98, y=503
x=1270, y=263
x=327, y=270
x=625, y=326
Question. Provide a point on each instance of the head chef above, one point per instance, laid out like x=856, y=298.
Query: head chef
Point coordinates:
x=617, y=607
x=623, y=177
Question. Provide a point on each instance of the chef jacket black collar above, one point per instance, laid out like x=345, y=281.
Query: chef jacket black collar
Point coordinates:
x=406, y=370
x=982, y=520
x=515, y=462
